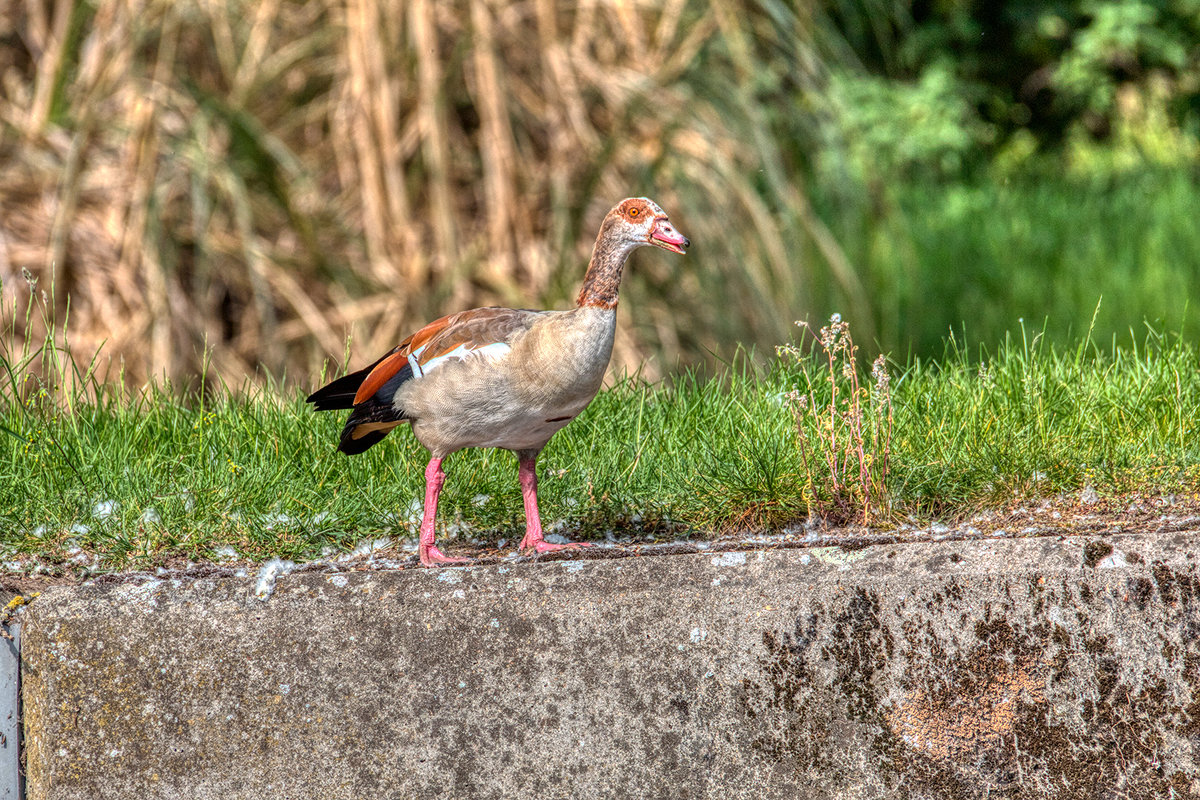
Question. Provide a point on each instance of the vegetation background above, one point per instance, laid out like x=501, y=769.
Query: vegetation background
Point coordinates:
x=251, y=182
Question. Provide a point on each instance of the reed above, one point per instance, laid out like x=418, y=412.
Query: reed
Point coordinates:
x=254, y=182
x=276, y=188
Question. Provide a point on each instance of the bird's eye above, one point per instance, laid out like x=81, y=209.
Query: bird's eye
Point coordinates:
x=633, y=212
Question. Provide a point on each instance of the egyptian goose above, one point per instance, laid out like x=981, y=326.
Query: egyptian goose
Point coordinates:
x=499, y=377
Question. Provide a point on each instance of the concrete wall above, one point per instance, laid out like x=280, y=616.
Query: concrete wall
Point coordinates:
x=1030, y=668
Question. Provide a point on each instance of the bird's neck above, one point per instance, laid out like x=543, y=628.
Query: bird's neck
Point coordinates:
x=603, y=278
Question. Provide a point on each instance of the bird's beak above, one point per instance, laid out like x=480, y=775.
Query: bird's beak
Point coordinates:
x=664, y=235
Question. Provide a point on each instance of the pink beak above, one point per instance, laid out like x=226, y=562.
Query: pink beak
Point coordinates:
x=664, y=235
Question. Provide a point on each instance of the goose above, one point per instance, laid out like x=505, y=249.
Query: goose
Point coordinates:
x=499, y=377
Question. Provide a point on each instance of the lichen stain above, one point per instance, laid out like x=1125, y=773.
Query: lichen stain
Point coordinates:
x=1011, y=705
x=944, y=724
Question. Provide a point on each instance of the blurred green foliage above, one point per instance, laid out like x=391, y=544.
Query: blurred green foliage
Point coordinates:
x=1008, y=73
x=983, y=163
x=980, y=255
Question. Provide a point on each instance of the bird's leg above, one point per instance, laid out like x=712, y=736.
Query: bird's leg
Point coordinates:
x=434, y=478
x=527, y=474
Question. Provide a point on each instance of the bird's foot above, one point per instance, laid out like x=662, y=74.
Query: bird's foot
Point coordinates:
x=542, y=546
x=431, y=556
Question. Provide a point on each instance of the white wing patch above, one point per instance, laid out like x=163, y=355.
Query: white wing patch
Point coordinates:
x=412, y=362
x=490, y=351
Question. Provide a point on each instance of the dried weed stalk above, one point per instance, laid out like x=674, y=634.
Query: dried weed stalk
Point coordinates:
x=844, y=429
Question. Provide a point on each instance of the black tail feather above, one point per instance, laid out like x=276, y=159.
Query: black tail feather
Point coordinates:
x=376, y=411
x=340, y=393
x=368, y=423
x=352, y=447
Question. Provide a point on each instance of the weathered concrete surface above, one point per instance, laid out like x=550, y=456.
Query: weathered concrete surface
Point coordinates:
x=1034, y=668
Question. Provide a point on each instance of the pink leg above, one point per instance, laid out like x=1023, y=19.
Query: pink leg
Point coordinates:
x=527, y=474
x=434, y=478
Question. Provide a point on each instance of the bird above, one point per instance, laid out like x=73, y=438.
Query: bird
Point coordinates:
x=499, y=377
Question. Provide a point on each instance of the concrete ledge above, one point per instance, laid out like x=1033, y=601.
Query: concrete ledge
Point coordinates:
x=1028, y=668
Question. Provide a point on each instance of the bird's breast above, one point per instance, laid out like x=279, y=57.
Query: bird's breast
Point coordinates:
x=562, y=361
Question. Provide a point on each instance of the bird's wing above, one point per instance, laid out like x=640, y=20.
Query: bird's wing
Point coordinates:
x=478, y=331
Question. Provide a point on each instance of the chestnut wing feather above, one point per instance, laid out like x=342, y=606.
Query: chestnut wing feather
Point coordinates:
x=427, y=348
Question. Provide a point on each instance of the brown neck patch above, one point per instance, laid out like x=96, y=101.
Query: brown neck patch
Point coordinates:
x=603, y=278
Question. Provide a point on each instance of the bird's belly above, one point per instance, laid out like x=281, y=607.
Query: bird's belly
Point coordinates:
x=483, y=409
x=530, y=432
x=516, y=430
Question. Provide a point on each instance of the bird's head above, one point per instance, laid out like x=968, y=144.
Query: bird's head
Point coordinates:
x=638, y=221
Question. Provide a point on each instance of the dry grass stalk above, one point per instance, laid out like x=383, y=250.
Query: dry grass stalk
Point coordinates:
x=844, y=429
x=261, y=179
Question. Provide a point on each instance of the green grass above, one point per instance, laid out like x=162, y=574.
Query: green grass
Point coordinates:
x=985, y=252
x=141, y=481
